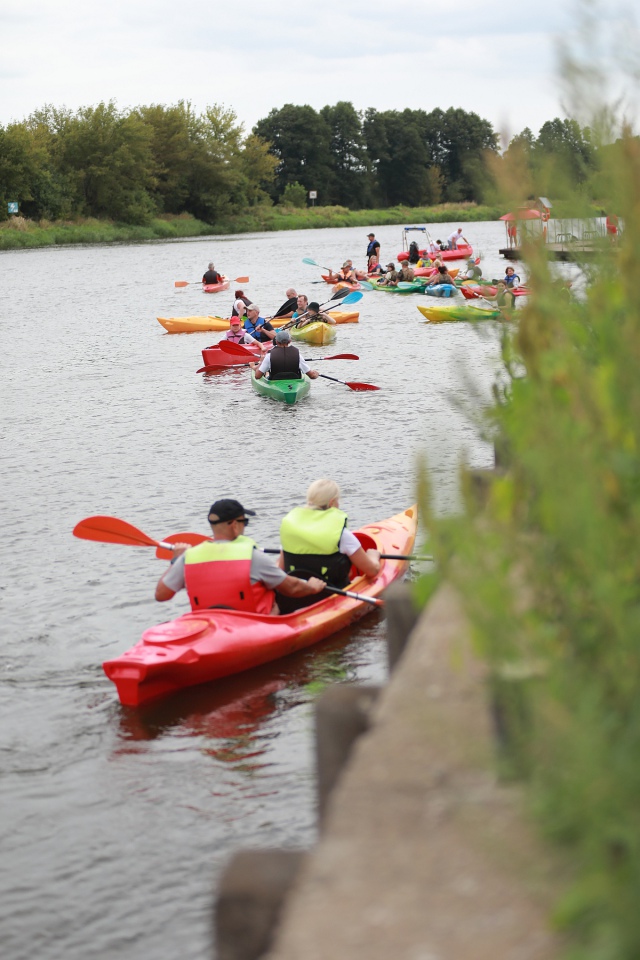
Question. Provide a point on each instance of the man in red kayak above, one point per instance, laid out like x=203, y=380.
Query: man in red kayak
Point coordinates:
x=230, y=571
x=316, y=543
x=211, y=275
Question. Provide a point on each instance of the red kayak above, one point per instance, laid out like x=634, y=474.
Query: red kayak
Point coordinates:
x=210, y=644
x=213, y=356
x=463, y=252
x=470, y=292
x=224, y=284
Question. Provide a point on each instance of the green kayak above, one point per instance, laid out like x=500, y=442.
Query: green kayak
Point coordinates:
x=287, y=391
x=415, y=287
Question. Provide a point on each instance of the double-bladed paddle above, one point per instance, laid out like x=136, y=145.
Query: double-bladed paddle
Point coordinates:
x=345, y=299
x=238, y=350
x=112, y=530
x=190, y=283
x=103, y=529
x=383, y=556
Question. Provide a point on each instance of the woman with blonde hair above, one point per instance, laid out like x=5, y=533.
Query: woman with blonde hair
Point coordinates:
x=316, y=543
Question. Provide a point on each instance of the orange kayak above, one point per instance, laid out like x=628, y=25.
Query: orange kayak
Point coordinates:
x=207, y=645
x=221, y=324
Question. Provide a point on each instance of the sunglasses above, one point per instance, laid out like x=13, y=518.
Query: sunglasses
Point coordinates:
x=244, y=520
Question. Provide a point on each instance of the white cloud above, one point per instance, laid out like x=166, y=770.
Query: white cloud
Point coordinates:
x=492, y=57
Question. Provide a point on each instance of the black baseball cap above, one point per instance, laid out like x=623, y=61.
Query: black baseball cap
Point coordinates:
x=227, y=510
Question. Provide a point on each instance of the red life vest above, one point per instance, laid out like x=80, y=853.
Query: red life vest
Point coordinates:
x=217, y=573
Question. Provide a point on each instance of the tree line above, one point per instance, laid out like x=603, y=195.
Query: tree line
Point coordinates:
x=132, y=165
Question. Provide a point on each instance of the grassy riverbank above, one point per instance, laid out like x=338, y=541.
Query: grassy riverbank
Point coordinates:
x=18, y=232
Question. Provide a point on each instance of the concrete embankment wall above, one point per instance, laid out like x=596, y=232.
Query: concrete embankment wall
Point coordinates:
x=423, y=853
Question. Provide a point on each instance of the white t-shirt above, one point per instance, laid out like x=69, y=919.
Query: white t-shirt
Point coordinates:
x=455, y=236
x=265, y=366
x=349, y=543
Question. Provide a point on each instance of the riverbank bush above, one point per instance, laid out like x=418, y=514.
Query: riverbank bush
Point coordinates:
x=20, y=233
x=547, y=562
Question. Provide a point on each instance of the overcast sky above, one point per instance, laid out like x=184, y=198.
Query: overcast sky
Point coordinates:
x=496, y=58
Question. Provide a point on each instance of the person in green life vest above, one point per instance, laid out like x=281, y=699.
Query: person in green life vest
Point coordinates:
x=316, y=543
x=230, y=570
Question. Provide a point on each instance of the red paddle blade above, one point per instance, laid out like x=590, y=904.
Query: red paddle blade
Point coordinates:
x=339, y=356
x=228, y=346
x=191, y=538
x=360, y=386
x=112, y=530
x=241, y=280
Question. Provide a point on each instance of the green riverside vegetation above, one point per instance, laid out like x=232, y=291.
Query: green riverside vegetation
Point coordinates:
x=19, y=232
x=101, y=174
x=546, y=556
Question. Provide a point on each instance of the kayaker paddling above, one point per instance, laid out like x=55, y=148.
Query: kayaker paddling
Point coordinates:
x=257, y=326
x=287, y=308
x=284, y=361
x=316, y=543
x=313, y=315
x=230, y=571
x=211, y=275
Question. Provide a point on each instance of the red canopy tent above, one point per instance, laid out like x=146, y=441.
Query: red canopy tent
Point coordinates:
x=522, y=215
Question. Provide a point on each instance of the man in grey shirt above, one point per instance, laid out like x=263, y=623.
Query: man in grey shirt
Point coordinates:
x=230, y=570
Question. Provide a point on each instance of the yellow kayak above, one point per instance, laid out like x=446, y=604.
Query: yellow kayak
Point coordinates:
x=221, y=324
x=463, y=311
x=321, y=333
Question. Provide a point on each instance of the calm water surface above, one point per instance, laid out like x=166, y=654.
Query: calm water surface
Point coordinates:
x=115, y=823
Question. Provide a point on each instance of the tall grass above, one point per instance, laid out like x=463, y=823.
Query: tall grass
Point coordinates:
x=548, y=565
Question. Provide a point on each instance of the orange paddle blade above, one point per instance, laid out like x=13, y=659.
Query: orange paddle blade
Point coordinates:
x=184, y=283
x=112, y=530
x=191, y=538
x=241, y=280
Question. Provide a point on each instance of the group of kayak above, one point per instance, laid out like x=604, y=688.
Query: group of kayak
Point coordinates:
x=235, y=622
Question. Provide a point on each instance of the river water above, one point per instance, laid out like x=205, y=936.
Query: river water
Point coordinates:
x=115, y=823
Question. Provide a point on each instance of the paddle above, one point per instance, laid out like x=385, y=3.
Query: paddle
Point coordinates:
x=355, y=596
x=104, y=529
x=314, y=263
x=212, y=367
x=383, y=556
x=353, y=385
x=238, y=350
x=366, y=285
x=345, y=299
x=189, y=283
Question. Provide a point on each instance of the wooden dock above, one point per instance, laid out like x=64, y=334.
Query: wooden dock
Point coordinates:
x=575, y=250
